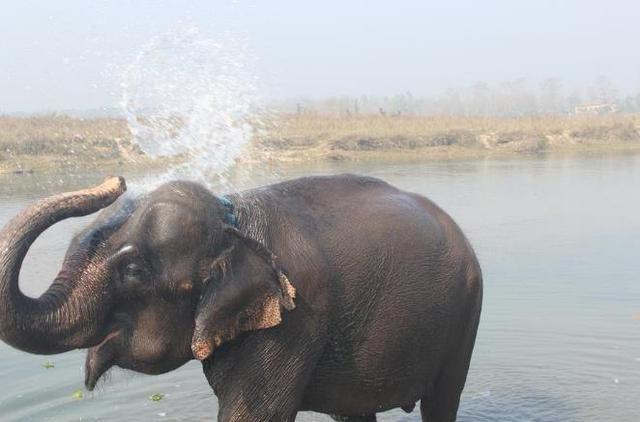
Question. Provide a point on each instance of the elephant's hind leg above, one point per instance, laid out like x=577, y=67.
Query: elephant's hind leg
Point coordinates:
x=355, y=418
x=442, y=398
x=441, y=402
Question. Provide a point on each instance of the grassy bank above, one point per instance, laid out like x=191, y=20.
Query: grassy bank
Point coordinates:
x=361, y=137
x=64, y=143
x=61, y=142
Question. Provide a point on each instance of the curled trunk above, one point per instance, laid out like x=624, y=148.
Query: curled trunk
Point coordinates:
x=68, y=314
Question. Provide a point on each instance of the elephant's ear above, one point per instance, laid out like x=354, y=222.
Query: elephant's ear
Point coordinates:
x=249, y=292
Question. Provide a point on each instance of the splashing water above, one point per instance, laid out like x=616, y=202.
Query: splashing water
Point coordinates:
x=190, y=96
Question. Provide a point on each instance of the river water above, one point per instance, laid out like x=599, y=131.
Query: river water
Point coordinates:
x=559, y=243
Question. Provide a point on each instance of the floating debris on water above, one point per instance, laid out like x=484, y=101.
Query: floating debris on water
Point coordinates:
x=48, y=365
x=77, y=395
x=156, y=397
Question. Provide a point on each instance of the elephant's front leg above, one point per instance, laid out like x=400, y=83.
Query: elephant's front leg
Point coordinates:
x=271, y=370
x=247, y=409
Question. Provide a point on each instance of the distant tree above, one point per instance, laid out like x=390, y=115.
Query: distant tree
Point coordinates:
x=551, y=101
x=603, y=90
x=627, y=104
x=451, y=103
x=513, y=98
x=480, y=99
x=574, y=100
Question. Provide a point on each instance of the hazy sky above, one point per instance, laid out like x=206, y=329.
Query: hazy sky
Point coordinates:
x=56, y=55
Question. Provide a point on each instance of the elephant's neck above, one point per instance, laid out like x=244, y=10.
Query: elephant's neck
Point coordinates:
x=251, y=217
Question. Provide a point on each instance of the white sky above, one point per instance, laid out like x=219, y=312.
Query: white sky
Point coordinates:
x=54, y=55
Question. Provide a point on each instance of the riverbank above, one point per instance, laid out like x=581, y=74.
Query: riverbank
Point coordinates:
x=50, y=143
x=302, y=138
x=58, y=142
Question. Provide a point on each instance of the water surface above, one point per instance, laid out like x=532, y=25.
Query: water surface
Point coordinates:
x=558, y=240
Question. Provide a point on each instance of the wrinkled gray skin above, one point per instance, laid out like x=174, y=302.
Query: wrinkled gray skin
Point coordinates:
x=342, y=295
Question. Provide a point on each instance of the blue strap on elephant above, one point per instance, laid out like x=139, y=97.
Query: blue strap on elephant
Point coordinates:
x=230, y=217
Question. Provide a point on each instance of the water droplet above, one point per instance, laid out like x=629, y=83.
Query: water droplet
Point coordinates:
x=193, y=97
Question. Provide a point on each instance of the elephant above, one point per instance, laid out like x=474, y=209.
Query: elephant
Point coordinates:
x=337, y=294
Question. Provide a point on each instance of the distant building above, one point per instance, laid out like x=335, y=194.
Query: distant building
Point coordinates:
x=597, y=109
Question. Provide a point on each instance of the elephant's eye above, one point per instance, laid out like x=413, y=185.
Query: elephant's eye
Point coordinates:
x=133, y=273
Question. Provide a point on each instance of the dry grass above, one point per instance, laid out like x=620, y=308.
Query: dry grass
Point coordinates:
x=382, y=126
x=56, y=141
x=340, y=137
x=58, y=127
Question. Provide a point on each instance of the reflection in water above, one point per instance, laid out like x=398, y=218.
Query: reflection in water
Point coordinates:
x=558, y=240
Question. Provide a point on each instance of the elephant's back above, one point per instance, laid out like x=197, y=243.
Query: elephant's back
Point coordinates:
x=378, y=242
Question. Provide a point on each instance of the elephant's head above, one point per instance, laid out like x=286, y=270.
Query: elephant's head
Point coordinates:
x=153, y=282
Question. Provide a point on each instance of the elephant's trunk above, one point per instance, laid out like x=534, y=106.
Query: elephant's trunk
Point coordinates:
x=67, y=315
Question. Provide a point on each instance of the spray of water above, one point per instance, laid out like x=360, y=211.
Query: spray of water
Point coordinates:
x=189, y=96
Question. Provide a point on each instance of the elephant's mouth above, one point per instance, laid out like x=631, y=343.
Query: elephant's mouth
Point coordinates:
x=99, y=359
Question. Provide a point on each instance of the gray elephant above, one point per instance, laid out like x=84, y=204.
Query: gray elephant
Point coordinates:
x=341, y=295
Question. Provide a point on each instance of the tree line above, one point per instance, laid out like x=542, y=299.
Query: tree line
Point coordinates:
x=509, y=99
